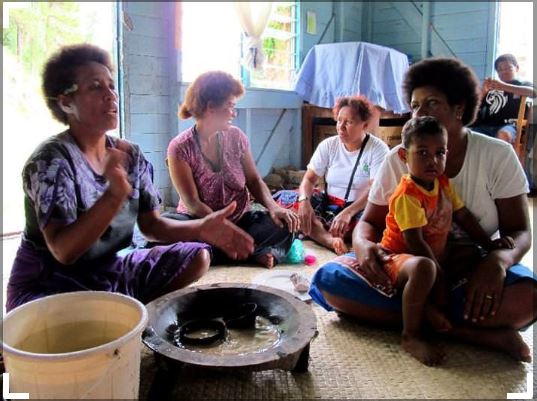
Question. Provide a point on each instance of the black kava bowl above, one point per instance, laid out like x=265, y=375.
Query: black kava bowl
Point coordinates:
x=237, y=304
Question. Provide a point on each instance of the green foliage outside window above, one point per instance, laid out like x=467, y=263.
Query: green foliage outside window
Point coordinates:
x=279, y=48
x=32, y=42
x=35, y=30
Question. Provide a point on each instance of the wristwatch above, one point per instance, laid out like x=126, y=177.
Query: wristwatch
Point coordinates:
x=302, y=198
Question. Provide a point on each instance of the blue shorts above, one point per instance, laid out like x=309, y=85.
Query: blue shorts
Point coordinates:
x=492, y=130
x=338, y=280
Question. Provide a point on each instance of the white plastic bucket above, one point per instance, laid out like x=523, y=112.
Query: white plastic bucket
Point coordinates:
x=77, y=345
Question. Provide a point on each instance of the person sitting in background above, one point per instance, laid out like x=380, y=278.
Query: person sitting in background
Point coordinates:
x=84, y=191
x=501, y=100
x=349, y=162
x=419, y=217
x=211, y=166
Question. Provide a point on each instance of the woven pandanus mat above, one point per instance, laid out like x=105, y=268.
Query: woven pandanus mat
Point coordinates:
x=348, y=360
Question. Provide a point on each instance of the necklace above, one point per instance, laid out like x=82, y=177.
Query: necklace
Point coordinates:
x=214, y=166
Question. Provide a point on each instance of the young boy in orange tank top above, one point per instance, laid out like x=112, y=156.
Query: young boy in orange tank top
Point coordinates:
x=420, y=214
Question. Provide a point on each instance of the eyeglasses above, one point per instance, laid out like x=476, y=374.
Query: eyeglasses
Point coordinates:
x=231, y=107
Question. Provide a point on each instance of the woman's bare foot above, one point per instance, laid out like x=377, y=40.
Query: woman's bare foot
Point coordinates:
x=339, y=246
x=423, y=351
x=266, y=260
x=511, y=342
x=437, y=319
x=506, y=340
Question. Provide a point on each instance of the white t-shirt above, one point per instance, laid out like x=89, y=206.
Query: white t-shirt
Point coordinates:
x=490, y=171
x=333, y=160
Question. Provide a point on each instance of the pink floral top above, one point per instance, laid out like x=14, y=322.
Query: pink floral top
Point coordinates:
x=216, y=189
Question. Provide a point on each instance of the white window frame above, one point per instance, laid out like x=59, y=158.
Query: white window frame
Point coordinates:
x=271, y=32
x=243, y=73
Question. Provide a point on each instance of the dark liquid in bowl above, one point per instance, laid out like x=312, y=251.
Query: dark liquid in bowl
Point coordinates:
x=241, y=341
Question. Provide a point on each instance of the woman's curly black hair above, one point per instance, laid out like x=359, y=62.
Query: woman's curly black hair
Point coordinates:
x=59, y=72
x=451, y=77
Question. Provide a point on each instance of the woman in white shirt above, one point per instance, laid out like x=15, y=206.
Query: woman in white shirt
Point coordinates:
x=493, y=296
x=348, y=161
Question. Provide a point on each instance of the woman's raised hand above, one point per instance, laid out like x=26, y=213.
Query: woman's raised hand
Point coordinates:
x=282, y=217
x=115, y=170
x=217, y=230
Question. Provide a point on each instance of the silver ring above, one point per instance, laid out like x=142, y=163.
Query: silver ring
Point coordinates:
x=489, y=296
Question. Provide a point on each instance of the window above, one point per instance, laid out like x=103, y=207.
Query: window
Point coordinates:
x=32, y=31
x=516, y=35
x=279, y=45
x=213, y=41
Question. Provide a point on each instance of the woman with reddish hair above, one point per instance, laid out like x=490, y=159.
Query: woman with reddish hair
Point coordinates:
x=211, y=166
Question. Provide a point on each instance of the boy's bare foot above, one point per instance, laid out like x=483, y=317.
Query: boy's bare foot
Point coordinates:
x=339, y=246
x=437, y=319
x=266, y=260
x=423, y=351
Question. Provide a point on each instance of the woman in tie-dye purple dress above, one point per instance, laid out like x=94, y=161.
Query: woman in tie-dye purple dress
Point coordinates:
x=84, y=192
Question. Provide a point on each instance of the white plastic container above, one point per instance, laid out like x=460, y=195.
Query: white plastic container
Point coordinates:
x=77, y=345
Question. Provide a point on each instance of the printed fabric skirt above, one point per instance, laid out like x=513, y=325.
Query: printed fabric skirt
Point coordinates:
x=268, y=237
x=140, y=273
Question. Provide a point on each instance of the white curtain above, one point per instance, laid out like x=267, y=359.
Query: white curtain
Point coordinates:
x=253, y=17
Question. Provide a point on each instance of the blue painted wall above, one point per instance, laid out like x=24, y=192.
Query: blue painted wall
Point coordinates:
x=338, y=21
x=146, y=76
x=466, y=30
x=153, y=89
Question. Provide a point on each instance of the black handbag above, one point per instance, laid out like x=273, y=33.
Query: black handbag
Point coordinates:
x=319, y=201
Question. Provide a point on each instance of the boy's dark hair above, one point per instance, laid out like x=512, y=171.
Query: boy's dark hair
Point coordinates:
x=59, y=72
x=505, y=57
x=451, y=77
x=420, y=127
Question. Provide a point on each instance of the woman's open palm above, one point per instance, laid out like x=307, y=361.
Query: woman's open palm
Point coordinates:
x=217, y=230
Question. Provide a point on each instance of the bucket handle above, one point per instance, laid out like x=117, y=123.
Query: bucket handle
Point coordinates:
x=116, y=355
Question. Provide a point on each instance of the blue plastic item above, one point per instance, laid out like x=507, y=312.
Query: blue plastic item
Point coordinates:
x=296, y=252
